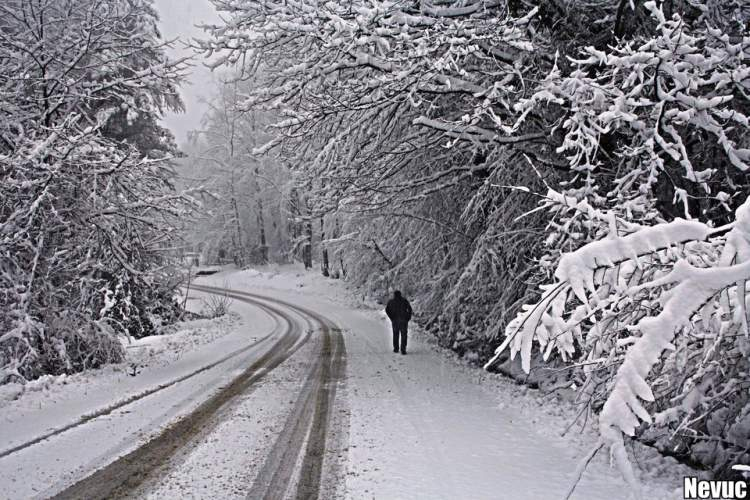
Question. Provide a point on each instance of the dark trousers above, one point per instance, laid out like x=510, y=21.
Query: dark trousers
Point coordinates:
x=399, y=327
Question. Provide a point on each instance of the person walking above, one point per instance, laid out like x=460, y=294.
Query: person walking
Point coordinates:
x=399, y=312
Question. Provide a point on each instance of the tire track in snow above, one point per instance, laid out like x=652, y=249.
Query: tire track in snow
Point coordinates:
x=304, y=438
x=300, y=448
x=129, y=471
x=333, y=372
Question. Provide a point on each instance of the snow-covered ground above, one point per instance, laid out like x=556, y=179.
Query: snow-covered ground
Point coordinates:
x=427, y=426
x=423, y=425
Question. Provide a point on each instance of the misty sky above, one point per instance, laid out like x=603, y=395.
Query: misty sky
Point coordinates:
x=178, y=19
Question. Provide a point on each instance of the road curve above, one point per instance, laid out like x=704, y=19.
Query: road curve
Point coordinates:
x=294, y=466
x=146, y=462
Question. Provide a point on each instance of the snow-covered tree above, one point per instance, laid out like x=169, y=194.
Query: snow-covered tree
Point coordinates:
x=245, y=215
x=87, y=207
x=387, y=112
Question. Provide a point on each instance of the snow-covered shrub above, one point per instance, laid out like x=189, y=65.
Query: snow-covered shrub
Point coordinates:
x=215, y=306
x=73, y=343
x=647, y=307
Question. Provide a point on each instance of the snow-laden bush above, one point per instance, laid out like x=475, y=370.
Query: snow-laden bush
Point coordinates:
x=215, y=306
x=655, y=316
x=75, y=246
x=650, y=309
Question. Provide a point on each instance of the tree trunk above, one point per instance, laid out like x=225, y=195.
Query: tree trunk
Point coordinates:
x=296, y=203
x=307, y=249
x=326, y=272
x=294, y=221
x=262, y=227
x=238, y=247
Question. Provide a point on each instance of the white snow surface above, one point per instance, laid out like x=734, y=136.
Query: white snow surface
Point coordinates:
x=425, y=425
x=428, y=426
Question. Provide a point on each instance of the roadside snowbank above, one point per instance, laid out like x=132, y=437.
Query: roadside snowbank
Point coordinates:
x=38, y=408
x=145, y=354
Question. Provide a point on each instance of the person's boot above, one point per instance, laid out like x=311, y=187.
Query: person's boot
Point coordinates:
x=395, y=350
x=403, y=351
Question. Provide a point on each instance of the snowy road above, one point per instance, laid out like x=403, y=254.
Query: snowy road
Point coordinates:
x=135, y=466
x=303, y=438
x=304, y=400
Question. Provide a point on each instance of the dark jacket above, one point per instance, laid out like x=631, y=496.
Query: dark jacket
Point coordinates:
x=398, y=308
